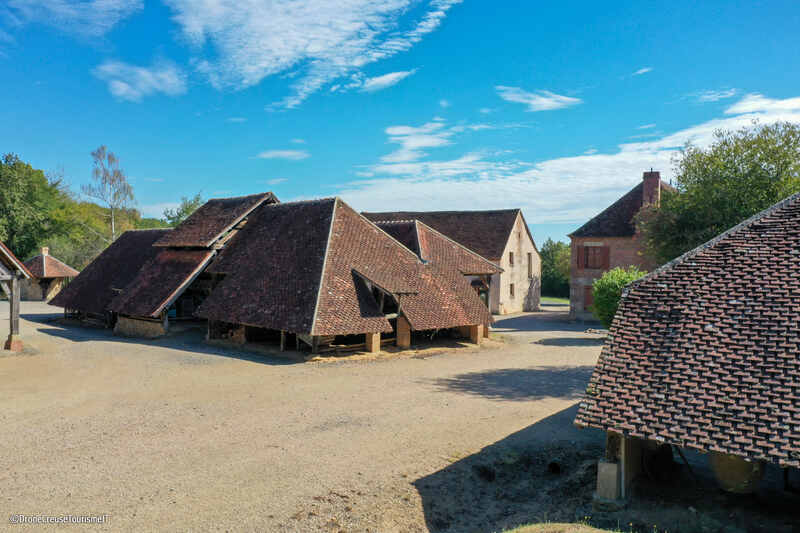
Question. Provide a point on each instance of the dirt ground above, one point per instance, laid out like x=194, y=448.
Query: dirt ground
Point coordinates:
x=176, y=434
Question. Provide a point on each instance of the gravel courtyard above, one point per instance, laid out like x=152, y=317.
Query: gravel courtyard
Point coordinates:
x=179, y=435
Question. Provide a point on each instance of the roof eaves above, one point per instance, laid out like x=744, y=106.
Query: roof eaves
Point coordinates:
x=19, y=264
x=182, y=287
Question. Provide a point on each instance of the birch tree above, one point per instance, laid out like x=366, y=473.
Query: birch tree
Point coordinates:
x=110, y=185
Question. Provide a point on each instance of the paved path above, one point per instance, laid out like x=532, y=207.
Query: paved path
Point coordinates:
x=175, y=434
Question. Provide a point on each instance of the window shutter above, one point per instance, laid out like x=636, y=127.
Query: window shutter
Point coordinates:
x=606, y=257
x=581, y=260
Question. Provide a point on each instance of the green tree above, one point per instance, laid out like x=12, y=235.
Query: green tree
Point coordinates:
x=555, y=268
x=110, y=185
x=740, y=174
x=173, y=217
x=29, y=205
x=607, y=291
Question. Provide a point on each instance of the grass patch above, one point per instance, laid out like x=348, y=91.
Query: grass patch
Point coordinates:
x=558, y=528
x=554, y=300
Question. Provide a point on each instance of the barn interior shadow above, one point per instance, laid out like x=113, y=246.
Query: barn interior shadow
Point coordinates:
x=521, y=384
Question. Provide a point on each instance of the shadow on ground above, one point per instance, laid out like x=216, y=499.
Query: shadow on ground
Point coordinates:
x=547, y=473
x=521, y=384
x=571, y=341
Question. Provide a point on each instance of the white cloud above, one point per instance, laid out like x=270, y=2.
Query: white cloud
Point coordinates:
x=713, y=96
x=298, y=141
x=292, y=155
x=89, y=18
x=157, y=210
x=315, y=41
x=276, y=181
x=131, y=82
x=757, y=103
x=568, y=189
x=646, y=127
x=590, y=151
x=444, y=103
x=387, y=80
x=643, y=70
x=485, y=110
x=236, y=119
x=536, y=101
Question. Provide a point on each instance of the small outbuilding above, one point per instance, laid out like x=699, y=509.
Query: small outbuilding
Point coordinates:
x=12, y=272
x=704, y=354
x=49, y=276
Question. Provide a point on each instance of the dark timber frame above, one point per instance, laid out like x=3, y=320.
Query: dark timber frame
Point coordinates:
x=11, y=271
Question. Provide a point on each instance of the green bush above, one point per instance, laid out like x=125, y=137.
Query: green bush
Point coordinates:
x=607, y=292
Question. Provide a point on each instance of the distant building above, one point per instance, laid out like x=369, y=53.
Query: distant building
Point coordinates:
x=49, y=277
x=704, y=354
x=503, y=238
x=610, y=240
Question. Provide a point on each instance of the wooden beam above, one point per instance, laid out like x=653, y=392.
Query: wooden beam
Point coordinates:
x=283, y=341
x=14, y=343
x=6, y=289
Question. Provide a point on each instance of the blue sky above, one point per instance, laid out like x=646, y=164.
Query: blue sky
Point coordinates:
x=556, y=108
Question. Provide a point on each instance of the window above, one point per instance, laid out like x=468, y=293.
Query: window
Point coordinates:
x=511, y=290
x=511, y=258
x=594, y=256
x=530, y=265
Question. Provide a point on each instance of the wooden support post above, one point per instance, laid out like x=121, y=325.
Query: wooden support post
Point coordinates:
x=297, y=342
x=14, y=343
x=372, y=342
x=403, y=332
x=283, y=341
x=486, y=331
x=476, y=333
x=315, y=344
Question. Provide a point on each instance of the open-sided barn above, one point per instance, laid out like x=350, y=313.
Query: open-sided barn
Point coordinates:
x=704, y=354
x=12, y=270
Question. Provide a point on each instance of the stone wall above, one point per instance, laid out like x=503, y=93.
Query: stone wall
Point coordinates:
x=132, y=327
x=527, y=283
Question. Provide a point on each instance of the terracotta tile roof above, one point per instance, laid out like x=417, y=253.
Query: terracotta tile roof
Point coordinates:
x=115, y=268
x=301, y=267
x=430, y=245
x=160, y=281
x=484, y=232
x=11, y=262
x=617, y=219
x=704, y=352
x=212, y=220
x=47, y=266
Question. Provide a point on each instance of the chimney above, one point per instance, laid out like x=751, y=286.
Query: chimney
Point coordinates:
x=45, y=250
x=651, y=193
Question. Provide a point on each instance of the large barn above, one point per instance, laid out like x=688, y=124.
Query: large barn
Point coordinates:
x=704, y=354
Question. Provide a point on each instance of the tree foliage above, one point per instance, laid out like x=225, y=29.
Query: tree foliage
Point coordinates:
x=173, y=217
x=555, y=268
x=740, y=174
x=110, y=185
x=607, y=291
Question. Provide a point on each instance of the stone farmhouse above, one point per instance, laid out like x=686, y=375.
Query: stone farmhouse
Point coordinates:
x=704, y=354
x=12, y=272
x=312, y=273
x=49, y=276
x=610, y=240
x=503, y=238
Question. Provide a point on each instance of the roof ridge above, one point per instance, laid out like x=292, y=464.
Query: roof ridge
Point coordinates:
x=299, y=202
x=714, y=241
x=266, y=193
x=324, y=264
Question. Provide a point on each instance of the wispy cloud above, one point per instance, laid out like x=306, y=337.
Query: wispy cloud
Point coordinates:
x=298, y=141
x=276, y=181
x=316, y=42
x=386, y=80
x=536, y=101
x=590, y=151
x=236, y=119
x=444, y=103
x=568, y=189
x=713, y=96
x=132, y=83
x=88, y=18
x=485, y=110
x=643, y=70
x=292, y=155
x=757, y=103
x=646, y=127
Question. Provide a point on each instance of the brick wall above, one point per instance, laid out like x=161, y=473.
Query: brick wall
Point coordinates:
x=621, y=252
